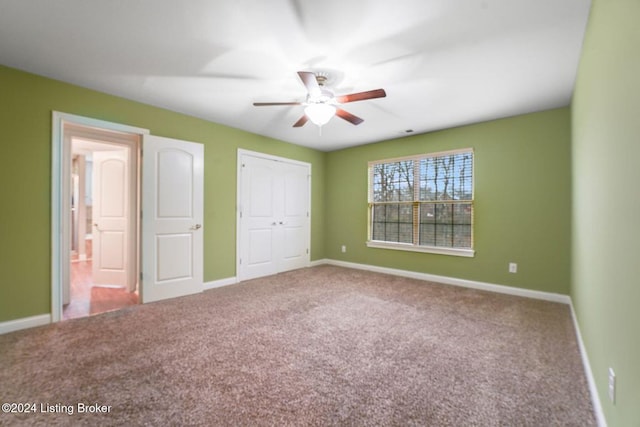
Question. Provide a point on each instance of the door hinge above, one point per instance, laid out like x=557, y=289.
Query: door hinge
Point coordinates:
x=240, y=260
x=307, y=251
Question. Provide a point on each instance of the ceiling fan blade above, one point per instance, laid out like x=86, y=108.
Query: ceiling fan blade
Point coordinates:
x=348, y=116
x=361, y=96
x=310, y=82
x=301, y=122
x=264, y=104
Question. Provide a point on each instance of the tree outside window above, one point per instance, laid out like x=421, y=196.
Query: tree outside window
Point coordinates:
x=424, y=201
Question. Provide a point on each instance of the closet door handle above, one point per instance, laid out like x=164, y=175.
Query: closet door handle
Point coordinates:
x=95, y=224
x=196, y=227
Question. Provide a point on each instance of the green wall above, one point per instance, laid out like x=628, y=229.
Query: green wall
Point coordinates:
x=522, y=202
x=26, y=103
x=606, y=204
x=526, y=220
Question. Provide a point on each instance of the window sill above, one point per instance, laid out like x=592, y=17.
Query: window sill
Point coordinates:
x=469, y=253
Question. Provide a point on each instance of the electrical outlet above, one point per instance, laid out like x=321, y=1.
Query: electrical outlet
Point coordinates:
x=612, y=386
x=344, y=249
x=513, y=267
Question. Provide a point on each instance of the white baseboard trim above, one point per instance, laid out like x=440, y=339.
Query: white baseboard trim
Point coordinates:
x=24, y=323
x=318, y=262
x=491, y=287
x=593, y=390
x=220, y=283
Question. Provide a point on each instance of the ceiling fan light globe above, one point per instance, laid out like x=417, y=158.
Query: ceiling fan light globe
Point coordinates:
x=320, y=114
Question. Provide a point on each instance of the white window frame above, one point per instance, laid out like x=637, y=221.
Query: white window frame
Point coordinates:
x=415, y=247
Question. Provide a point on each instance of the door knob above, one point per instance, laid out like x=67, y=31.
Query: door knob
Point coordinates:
x=196, y=227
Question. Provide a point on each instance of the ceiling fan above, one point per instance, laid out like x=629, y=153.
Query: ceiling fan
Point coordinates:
x=321, y=104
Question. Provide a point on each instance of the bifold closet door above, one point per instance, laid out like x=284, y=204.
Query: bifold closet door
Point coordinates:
x=274, y=217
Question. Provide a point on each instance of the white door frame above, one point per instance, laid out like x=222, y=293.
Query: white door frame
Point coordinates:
x=241, y=153
x=60, y=198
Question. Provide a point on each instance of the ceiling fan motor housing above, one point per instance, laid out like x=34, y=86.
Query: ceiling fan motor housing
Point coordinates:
x=324, y=97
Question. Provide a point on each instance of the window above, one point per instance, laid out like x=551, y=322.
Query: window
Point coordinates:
x=423, y=203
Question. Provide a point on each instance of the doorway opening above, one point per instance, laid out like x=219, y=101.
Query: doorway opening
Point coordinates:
x=95, y=216
x=168, y=184
x=103, y=205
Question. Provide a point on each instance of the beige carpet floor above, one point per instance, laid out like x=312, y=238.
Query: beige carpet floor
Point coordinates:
x=319, y=346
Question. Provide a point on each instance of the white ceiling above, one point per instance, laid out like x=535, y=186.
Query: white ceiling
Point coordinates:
x=443, y=63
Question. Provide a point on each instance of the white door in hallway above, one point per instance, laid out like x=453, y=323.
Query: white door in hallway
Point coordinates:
x=111, y=228
x=274, y=215
x=172, y=218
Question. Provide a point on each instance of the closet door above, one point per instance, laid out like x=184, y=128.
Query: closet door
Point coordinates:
x=258, y=224
x=293, y=222
x=273, y=216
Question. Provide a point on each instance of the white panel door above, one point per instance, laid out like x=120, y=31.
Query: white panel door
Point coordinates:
x=110, y=217
x=274, y=216
x=294, y=224
x=258, y=222
x=172, y=215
